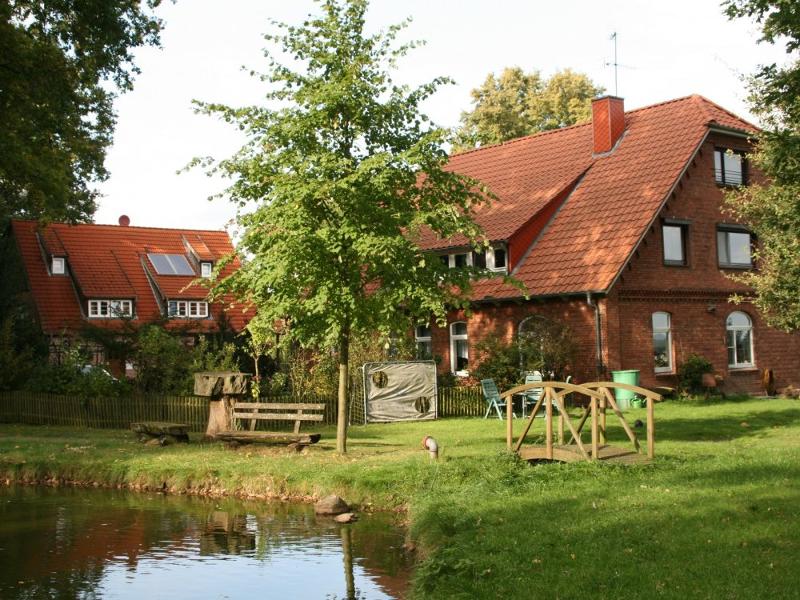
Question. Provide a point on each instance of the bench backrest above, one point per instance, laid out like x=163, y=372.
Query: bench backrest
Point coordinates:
x=278, y=411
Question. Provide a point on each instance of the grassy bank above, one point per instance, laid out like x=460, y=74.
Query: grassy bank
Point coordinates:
x=717, y=515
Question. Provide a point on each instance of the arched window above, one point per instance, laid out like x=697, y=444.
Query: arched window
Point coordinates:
x=739, y=330
x=459, y=348
x=662, y=342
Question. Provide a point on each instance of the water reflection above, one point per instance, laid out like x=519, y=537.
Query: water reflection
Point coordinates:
x=94, y=544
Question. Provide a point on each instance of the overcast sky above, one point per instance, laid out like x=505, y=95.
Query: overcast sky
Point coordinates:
x=668, y=49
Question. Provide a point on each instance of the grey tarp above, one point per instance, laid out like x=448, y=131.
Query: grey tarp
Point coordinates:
x=399, y=391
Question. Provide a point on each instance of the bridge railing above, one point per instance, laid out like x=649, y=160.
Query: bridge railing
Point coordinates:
x=600, y=398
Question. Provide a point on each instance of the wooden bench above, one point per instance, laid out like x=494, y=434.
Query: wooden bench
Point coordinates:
x=277, y=411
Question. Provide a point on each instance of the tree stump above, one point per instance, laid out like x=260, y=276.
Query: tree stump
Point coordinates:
x=222, y=388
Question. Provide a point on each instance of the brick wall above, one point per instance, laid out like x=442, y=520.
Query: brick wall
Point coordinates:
x=503, y=319
x=695, y=295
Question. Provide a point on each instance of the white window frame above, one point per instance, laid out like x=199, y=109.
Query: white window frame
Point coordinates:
x=104, y=308
x=733, y=329
x=490, y=260
x=423, y=339
x=206, y=269
x=669, y=368
x=187, y=309
x=452, y=258
x=58, y=265
x=453, y=345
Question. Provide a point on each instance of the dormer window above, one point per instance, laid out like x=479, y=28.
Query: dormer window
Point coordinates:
x=729, y=167
x=110, y=309
x=205, y=269
x=496, y=259
x=58, y=266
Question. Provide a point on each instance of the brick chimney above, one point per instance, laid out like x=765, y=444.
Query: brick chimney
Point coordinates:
x=124, y=220
x=608, y=122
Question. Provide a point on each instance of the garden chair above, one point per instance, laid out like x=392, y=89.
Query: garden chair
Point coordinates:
x=492, y=397
x=530, y=398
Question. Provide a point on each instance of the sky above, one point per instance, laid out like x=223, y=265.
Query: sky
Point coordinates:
x=666, y=49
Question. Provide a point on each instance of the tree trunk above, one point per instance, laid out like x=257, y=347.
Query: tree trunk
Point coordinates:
x=344, y=382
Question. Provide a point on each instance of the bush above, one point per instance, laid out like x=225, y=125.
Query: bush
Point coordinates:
x=691, y=371
x=74, y=376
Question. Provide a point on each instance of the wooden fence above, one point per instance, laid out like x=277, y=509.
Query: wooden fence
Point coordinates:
x=32, y=408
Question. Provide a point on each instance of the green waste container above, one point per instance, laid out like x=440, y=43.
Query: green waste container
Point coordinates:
x=625, y=397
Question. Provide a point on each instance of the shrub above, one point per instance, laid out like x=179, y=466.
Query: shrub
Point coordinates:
x=691, y=371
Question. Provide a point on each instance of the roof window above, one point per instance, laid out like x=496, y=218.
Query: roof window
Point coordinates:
x=58, y=266
x=205, y=269
x=171, y=264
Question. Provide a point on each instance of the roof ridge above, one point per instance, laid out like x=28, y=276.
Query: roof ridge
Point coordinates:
x=120, y=227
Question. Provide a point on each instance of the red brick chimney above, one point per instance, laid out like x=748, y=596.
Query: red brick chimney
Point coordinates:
x=608, y=122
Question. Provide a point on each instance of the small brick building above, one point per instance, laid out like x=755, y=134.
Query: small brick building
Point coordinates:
x=616, y=228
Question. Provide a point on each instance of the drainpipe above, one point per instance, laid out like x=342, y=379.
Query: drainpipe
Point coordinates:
x=597, y=335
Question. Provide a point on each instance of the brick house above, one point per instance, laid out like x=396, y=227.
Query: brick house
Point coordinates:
x=115, y=277
x=616, y=229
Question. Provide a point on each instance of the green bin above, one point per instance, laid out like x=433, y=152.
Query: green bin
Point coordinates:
x=624, y=397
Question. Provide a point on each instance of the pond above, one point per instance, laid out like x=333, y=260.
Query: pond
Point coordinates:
x=76, y=543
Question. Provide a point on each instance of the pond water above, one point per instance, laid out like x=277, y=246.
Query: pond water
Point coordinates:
x=73, y=543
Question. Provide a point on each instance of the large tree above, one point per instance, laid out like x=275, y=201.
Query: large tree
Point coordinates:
x=515, y=103
x=342, y=172
x=772, y=208
x=61, y=63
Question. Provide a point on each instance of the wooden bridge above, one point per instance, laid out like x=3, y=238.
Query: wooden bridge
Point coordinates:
x=600, y=399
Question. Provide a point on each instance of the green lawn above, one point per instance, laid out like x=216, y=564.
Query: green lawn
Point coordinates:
x=716, y=516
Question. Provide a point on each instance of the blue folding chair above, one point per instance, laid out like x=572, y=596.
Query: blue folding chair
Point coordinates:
x=492, y=397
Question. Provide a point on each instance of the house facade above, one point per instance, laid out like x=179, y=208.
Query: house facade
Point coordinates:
x=118, y=278
x=616, y=229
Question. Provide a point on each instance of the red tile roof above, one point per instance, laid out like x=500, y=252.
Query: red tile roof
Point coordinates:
x=109, y=261
x=609, y=209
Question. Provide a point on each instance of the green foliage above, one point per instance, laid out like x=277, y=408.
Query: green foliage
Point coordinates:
x=161, y=360
x=773, y=211
x=57, y=59
x=498, y=359
x=542, y=345
x=691, y=371
x=16, y=360
x=165, y=365
x=74, y=376
x=515, y=104
x=344, y=173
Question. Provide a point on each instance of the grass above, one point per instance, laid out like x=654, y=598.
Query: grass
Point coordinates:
x=716, y=516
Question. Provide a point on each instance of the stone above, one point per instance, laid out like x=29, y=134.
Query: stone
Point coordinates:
x=347, y=517
x=331, y=505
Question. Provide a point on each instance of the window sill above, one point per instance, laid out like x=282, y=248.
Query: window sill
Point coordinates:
x=682, y=265
x=744, y=369
x=736, y=267
x=721, y=184
x=665, y=373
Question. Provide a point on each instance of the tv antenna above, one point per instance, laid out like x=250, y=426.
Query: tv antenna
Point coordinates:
x=616, y=64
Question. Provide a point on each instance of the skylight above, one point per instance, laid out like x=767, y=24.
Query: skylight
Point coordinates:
x=171, y=264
